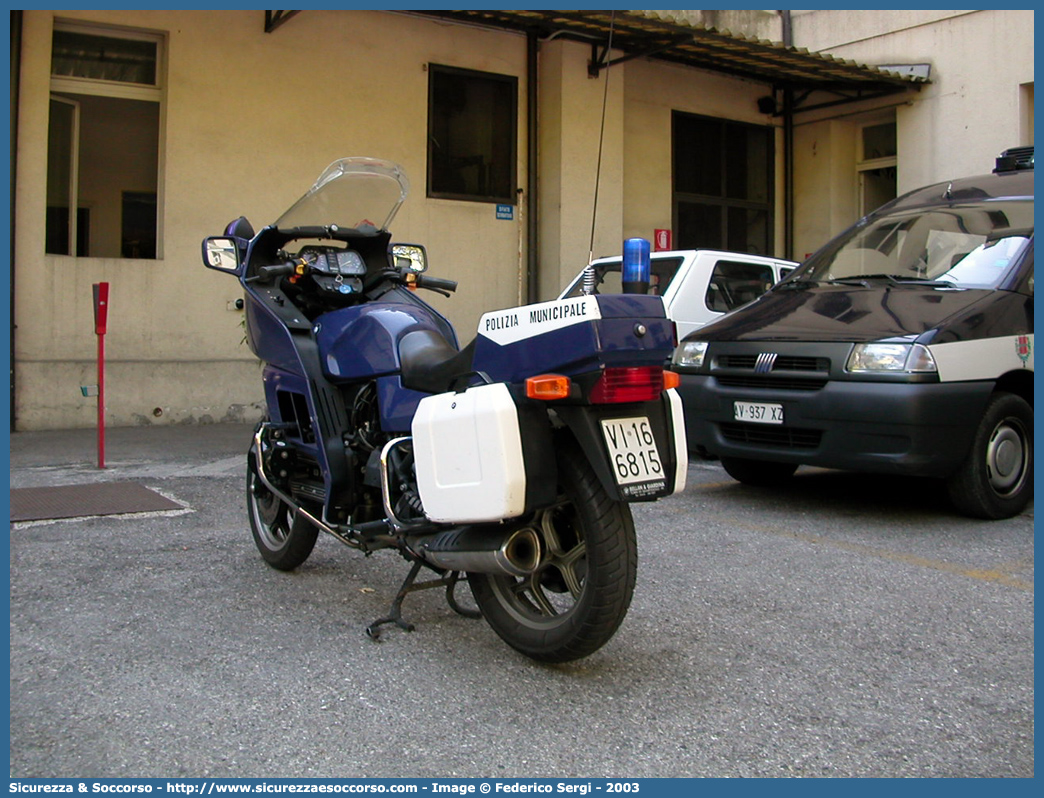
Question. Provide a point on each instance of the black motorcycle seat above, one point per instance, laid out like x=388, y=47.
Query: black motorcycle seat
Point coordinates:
x=429, y=362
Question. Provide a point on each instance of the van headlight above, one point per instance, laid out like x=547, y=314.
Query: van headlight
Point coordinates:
x=891, y=358
x=690, y=354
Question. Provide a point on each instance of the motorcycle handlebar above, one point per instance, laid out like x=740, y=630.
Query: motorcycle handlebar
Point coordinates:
x=266, y=273
x=436, y=283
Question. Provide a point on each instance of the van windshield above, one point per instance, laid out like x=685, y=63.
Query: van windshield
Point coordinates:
x=970, y=245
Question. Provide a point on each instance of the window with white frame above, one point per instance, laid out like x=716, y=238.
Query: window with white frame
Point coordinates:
x=103, y=142
x=878, y=165
x=1026, y=113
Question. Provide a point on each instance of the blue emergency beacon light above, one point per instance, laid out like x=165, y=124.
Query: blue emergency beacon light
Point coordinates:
x=636, y=269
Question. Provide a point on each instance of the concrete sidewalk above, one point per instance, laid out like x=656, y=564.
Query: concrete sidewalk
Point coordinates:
x=65, y=457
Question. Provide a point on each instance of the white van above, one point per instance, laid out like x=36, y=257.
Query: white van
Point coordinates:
x=698, y=286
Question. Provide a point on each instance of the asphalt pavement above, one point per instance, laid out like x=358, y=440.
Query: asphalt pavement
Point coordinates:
x=845, y=626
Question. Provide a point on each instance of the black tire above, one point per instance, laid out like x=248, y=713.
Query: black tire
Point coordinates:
x=996, y=479
x=284, y=538
x=578, y=596
x=761, y=473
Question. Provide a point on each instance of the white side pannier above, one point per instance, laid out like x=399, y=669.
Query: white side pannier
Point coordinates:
x=468, y=452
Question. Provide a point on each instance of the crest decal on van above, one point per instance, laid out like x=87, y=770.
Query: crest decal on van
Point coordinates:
x=1023, y=348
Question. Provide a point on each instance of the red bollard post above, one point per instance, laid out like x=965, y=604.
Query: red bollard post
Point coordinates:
x=101, y=315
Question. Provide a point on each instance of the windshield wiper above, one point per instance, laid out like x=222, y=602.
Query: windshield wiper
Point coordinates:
x=925, y=281
x=794, y=285
x=863, y=280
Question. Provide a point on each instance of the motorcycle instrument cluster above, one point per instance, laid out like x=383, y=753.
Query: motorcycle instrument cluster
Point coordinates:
x=335, y=270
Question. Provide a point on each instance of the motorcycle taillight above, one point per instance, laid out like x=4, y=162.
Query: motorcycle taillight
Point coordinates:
x=641, y=384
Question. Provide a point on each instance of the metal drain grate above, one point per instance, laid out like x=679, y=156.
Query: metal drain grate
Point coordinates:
x=74, y=501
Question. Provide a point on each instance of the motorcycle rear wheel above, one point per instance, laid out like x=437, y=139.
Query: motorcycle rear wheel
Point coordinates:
x=284, y=538
x=579, y=594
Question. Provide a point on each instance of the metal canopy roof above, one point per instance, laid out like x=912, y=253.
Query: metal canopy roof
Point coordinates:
x=662, y=36
x=659, y=35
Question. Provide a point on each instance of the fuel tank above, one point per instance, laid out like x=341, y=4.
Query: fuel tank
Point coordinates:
x=362, y=341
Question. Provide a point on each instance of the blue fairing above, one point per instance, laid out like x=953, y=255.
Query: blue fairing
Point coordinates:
x=363, y=341
x=397, y=404
x=268, y=336
x=279, y=383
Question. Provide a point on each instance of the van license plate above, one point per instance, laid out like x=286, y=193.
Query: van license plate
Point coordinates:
x=632, y=450
x=758, y=412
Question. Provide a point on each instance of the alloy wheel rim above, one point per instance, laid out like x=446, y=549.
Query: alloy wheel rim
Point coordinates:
x=556, y=586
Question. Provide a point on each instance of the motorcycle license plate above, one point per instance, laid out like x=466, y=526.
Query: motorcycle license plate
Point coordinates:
x=758, y=412
x=632, y=451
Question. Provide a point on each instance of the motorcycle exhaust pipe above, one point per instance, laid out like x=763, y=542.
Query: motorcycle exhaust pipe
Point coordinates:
x=484, y=551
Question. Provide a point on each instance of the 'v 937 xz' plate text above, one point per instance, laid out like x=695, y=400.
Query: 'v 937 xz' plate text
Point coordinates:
x=758, y=412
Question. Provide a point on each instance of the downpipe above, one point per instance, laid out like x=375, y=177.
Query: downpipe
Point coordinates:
x=284, y=497
x=515, y=552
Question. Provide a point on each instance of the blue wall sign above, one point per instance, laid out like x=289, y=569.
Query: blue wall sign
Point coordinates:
x=506, y=212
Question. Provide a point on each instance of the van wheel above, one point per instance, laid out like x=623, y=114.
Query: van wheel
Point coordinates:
x=996, y=479
x=761, y=473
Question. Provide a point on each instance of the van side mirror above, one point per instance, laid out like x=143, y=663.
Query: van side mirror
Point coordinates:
x=221, y=253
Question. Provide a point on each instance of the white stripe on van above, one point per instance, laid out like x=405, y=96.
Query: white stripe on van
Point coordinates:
x=984, y=358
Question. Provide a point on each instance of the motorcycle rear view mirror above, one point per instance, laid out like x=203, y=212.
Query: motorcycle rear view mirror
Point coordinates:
x=221, y=253
x=408, y=256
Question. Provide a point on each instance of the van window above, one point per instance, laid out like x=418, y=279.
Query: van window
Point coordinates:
x=733, y=284
x=608, y=281
x=970, y=245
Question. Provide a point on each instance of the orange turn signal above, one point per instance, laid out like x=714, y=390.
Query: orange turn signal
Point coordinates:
x=671, y=379
x=548, y=386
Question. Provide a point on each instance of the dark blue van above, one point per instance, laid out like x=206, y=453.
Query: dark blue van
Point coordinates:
x=903, y=346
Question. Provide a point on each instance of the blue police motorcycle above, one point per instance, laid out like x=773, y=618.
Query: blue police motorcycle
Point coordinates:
x=511, y=461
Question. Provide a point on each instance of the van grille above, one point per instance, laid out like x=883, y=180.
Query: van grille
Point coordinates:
x=786, y=383
x=782, y=363
x=760, y=435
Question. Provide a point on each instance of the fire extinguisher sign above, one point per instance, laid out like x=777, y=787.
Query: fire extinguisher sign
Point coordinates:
x=662, y=240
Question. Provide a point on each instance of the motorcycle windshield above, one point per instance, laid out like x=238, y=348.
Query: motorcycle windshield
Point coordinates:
x=360, y=193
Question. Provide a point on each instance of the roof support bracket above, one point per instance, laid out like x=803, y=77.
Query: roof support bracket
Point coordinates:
x=843, y=98
x=273, y=19
x=601, y=60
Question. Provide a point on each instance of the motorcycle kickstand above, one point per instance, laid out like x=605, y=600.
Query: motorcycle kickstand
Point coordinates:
x=409, y=585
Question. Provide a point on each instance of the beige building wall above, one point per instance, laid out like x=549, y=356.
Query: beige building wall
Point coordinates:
x=636, y=183
x=978, y=104
x=571, y=126
x=250, y=119
x=654, y=91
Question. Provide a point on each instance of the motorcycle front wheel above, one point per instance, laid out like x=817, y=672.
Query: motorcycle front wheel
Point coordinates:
x=284, y=538
x=575, y=600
